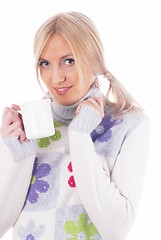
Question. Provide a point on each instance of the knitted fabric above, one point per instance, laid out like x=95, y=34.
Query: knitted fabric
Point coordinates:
x=84, y=185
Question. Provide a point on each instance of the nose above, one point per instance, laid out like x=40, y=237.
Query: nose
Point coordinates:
x=58, y=75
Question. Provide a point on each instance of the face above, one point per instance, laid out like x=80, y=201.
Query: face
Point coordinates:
x=60, y=74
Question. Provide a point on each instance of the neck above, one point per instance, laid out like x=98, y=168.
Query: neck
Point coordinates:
x=66, y=113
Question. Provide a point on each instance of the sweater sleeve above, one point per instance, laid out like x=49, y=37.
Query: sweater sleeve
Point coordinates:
x=110, y=199
x=15, y=178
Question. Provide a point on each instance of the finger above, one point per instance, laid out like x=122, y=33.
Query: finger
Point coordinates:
x=17, y=129
x=100, y=102
x=7, y=117
x=15, y=107
x=22, y=137
x=85, y=103
x=96, y=103
x=10, y=116
x=19, y=133
x=6, y=131
x=92, y=101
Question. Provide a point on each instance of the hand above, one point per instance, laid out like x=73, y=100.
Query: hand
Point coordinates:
x=89, y=115
x=95, y=102
x=12, y=124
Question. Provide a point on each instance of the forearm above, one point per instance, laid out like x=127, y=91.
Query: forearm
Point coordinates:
x=13, y=192
x=15, y=178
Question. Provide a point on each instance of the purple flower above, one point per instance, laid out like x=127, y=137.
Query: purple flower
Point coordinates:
x=31, y=231
x=104, y=131
x=37, y=184
x=30, y=237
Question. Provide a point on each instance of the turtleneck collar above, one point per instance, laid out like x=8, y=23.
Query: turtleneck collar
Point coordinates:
x=65, y=114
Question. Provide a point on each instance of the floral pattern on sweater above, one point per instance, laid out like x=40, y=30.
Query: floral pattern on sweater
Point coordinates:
x=82, y=229
x=37, y=184
x=44, y=190
x=45, y=142
x=57, y=198
x=71, y=180
x=77, y=224
x=31, y=231
x=104, y=130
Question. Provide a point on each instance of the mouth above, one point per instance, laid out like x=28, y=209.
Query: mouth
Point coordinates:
x=62, y=90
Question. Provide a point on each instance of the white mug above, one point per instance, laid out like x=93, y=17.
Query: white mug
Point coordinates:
x=37, y=118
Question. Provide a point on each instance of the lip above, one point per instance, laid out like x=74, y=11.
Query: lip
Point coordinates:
x=62, y=90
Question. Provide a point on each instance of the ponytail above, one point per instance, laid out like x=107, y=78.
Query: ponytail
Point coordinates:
x=121, y=99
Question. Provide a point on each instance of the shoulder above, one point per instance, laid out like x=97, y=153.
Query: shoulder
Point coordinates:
x=119, y=127
x=136, y=119
x=129, y=120
x=112, y=133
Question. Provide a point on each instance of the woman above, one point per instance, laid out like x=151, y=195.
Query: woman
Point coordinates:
x=84, y=182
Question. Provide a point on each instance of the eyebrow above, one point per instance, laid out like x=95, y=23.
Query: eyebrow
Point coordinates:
x=65, y=56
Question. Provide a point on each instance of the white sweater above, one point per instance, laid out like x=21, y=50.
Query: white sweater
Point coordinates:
x=83, y=186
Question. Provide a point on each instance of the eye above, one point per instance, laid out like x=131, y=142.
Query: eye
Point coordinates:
x=69, y=61
x=43, y=63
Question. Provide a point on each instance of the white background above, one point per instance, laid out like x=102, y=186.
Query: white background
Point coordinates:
x=130, y=31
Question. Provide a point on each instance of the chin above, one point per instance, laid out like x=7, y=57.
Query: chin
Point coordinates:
x=66, y=103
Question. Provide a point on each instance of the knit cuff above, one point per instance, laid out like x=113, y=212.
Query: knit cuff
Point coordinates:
x=86, y=121
x=21, y=150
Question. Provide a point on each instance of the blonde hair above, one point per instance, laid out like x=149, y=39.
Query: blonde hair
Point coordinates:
x=84, y=40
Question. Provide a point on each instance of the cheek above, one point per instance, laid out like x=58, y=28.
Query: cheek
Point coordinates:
x=72, y=74
x=45, y=76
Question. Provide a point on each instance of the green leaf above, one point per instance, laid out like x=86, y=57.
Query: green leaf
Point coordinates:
x=56, y=136
x=57, y=124
x=71, y=228
x=82, y=223
x=87, y=228
x=92, y=229
x=43, y=142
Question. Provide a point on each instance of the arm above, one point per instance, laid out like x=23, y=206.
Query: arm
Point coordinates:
x=16, y=163
x=14, y=182
x=111, y=200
